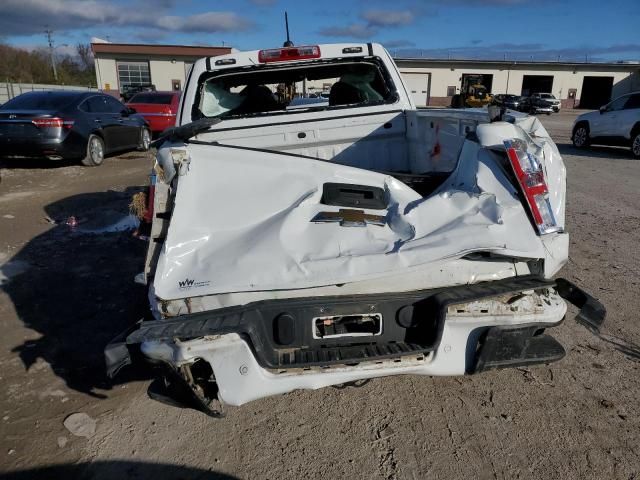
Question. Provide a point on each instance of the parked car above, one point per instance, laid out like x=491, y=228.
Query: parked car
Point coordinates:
x=327, y=244
x=535, y=105
x=158, y=108
x=129, y=91
x=549, y=98
x=509, y=101
x=616, y=123
x=69, y=125
x=301, y=102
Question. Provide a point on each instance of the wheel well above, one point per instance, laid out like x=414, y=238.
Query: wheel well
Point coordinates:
x=581, y=123
x=635, y=129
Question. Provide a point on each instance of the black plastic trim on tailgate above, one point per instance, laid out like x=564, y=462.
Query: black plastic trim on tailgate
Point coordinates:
x=352, y=195
x=426, y=311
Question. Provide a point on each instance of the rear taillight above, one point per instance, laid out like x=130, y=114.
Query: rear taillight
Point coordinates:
x=531, y=179
x=52, y=122
x=148, y=216
x=289, y=53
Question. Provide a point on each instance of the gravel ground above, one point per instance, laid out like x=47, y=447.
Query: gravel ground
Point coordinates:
x=72, y=292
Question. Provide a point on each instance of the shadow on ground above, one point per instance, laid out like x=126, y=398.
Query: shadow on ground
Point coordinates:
x=43, y=163
x=123, y=470
x=77, y=290
x=609, y=153
x=35, y=163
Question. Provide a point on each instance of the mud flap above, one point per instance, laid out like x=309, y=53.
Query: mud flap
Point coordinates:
x=592, y=312
x=504, y=347
x=116, y=353
x=508, y=347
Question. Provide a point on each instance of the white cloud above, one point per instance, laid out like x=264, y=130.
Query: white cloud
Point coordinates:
x=373, y=21
x=205, y=22
x=397, y=43
x=356, y=30
x=388, y=18
x=28, y=17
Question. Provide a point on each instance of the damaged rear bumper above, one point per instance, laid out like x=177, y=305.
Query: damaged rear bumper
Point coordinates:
x=272, y=347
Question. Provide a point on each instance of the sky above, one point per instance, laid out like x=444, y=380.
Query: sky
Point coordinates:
x=483, y=29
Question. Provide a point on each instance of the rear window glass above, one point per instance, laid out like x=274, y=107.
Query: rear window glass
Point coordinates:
x=40, y=101
x=157, y=98
x=278, y=90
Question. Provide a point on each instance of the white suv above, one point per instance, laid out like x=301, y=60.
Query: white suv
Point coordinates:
x=549, y=98
x=617, y=123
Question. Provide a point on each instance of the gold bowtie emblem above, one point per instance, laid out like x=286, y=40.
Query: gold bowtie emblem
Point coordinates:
x=350, y=218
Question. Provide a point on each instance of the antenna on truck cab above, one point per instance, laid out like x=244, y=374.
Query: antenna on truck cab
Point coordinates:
x=288, y=43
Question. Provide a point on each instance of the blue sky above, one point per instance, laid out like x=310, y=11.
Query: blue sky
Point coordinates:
x=515, y=29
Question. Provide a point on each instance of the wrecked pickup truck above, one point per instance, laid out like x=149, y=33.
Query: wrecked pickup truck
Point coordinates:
x=340, y=241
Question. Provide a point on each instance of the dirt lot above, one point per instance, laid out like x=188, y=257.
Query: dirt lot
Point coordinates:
x=72, y=292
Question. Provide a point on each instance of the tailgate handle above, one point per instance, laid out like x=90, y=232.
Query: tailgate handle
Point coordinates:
x=350, y=195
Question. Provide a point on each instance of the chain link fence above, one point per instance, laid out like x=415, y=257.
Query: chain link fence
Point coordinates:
x=10, y=90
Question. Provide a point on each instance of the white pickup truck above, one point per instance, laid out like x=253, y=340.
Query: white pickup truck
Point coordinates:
x=339, y=241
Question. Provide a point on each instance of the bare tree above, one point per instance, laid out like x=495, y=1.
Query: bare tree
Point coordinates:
x=86, y=55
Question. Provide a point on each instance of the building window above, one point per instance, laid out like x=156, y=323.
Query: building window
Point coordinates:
x=451, y=91
x=133, y=73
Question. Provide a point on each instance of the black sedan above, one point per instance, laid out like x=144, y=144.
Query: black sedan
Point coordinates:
x=69, y=125
x=535, y=105
x=509, y=101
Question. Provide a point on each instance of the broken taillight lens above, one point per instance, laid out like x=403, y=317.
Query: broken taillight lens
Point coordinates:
x=148, y=216
x=531, y=179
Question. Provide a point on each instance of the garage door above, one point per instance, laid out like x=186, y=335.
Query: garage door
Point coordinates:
x=536, y=84
x=418, y=85
x=596, y=91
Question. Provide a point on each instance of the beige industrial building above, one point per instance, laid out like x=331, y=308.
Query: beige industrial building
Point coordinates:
x=432, y=82
x=577, y=85
x=119, y=65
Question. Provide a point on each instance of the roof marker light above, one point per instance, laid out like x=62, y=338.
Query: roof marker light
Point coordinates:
x=226, y=61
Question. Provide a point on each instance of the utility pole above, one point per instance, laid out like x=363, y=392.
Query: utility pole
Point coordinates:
x=53, y=60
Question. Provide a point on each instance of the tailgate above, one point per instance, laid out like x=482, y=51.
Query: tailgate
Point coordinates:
x=248, y=220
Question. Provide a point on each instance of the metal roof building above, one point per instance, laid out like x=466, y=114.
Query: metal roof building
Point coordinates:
x=578, y=85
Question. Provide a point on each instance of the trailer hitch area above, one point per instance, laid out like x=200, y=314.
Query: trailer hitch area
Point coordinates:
x=592, y=312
